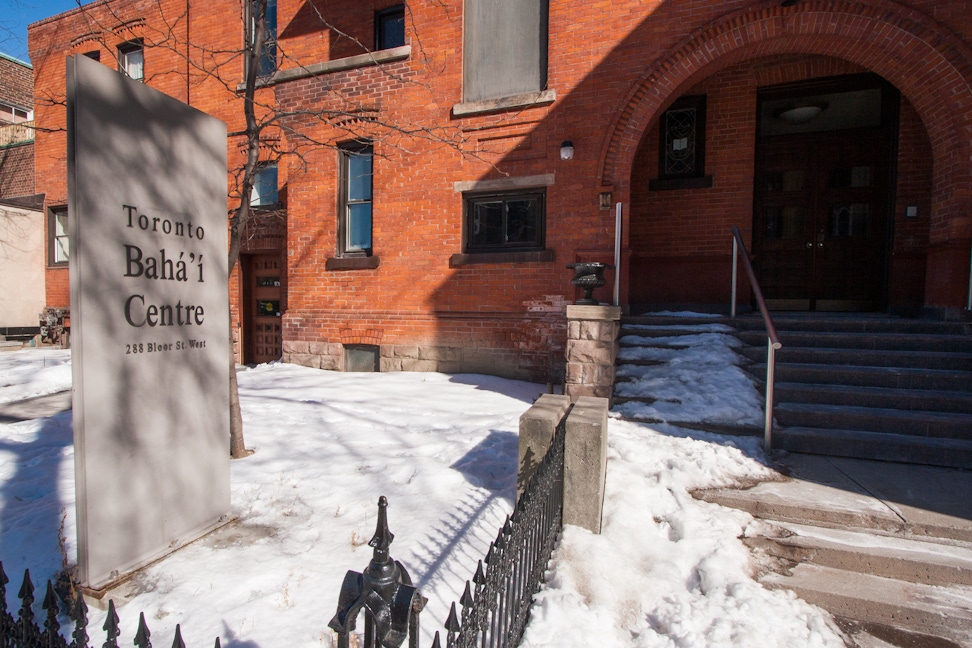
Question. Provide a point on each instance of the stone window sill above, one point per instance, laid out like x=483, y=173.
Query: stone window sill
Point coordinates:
x=526, y=100
x=481, y=258
x=671, y=184
x=337, y=65
x=352, y=263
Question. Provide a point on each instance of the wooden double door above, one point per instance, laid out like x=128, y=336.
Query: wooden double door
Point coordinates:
x=821, y=225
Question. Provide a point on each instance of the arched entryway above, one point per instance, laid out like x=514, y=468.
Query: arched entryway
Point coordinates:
x=913, y=54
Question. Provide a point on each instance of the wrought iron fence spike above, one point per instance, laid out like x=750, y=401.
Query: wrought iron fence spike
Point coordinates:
x=111, y=626
x=452, y=623
x=177, y=641
x=27, y=588
x=489, y=554
x=143, y=634
x=480, y=576
x=435, y=641
x=467, y=599
x=50, y=599
x=217, y=643
x=80, y=616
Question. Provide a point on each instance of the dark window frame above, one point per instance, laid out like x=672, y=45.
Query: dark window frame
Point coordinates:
x=470, y=200
x=346, y=152
x=693, y=177
x=126, y=48
x=52, y=236
x=396, y=12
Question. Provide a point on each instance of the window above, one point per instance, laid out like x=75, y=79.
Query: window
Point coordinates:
x=267, y=62
x=131, y=60
x=504, y=48
x=355, y=199
x=504, y=222
x=264, y=193
x=58, y=246
x=390, y=28
x=681, y=146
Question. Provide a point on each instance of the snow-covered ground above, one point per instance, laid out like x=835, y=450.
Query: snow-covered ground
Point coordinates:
x=668, y=570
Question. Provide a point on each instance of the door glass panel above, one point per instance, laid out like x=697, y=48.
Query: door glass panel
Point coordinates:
x=786, y=222
x=861, y=176
x=848, y=220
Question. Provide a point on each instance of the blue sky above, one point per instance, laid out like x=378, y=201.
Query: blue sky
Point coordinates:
x=15, y=15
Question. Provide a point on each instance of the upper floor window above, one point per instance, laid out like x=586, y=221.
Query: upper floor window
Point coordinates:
x=390, y=28
x=502, y=222
x=14, y=115
x=504, y=48
x=264, y=193
x=131, y=60
x=267, y=60
x=355, y=199
x=58, y=245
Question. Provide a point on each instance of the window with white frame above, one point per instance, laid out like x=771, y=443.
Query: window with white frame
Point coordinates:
x=58, y=246
x=131, y=60
x=264, y=193
x=355, y=199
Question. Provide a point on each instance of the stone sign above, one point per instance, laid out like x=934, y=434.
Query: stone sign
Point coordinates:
x=149, y=320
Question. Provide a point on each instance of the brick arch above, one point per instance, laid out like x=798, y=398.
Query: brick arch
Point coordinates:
x=931, y=66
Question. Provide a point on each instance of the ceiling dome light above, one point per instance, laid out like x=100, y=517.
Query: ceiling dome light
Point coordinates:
x=801, y=113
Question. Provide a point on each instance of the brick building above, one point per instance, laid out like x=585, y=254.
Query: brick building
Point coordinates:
x=21, y=210
x=426, y=207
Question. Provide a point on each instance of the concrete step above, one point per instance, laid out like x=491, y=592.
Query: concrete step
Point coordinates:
x=944, y=360
x=902, y=399
x=889, y=377
x=881, y=446
x=925, y=609
x=874, y=341
x=916, y=561
x=948, y=425
x=854, y=323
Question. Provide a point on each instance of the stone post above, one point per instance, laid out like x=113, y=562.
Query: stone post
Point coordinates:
x=592, y=346
x=537, y=427
x=585, y=463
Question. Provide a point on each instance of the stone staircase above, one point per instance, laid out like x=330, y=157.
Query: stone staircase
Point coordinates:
x=869, y=547
x=868, y=386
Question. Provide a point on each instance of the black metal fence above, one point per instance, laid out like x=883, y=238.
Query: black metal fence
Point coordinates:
x=495, y=605
x=23, y=631
x=492, y=612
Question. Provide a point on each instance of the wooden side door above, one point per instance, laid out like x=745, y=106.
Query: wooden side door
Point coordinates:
x=261, y=308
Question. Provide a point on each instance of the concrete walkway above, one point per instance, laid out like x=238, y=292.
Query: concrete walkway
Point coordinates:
x=38, y=407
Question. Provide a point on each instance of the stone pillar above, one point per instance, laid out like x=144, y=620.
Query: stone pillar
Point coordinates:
x=585, y=463
x=592, y=346
x=537, y=427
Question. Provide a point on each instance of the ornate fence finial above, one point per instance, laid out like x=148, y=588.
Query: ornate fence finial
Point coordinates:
x=384, y=591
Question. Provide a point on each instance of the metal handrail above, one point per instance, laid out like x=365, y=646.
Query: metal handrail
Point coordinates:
x=773, y=341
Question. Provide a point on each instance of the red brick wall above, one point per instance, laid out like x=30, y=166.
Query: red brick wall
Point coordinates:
x=613, y=72
x=17, y=170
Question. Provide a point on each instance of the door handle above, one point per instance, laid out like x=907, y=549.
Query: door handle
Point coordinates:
x=809, y=244
x=819, y=245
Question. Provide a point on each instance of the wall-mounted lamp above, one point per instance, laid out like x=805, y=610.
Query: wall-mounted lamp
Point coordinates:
x=567, y=150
